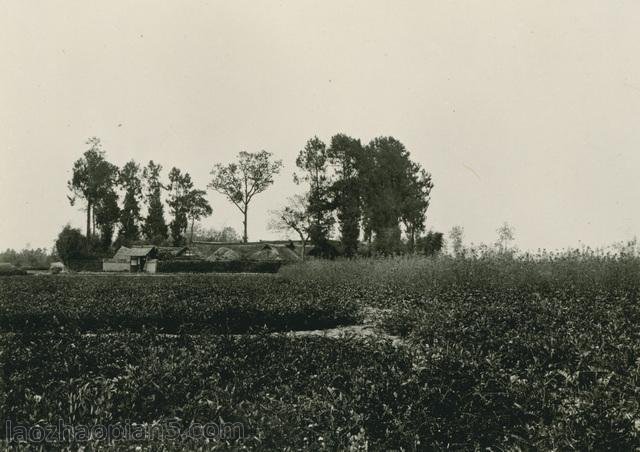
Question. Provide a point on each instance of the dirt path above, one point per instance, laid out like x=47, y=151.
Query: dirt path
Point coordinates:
x=364, y=330
x=349, y=331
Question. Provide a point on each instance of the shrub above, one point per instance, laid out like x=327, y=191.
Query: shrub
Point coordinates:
x=32, y=259
x=10, y=270
x=204, y=266
x=325, y=250
x=71, y=245
x=431, y=244
x=87, y=264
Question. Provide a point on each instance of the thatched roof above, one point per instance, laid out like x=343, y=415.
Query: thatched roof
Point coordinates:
x=275, y=252
x=169, y=252
x=125, y=253
x=287, y=254
x=224, y=254
x=267, y=253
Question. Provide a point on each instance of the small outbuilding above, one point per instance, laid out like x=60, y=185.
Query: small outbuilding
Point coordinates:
x=134, y=259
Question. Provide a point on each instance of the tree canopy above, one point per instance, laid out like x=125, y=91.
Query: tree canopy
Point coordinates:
x=129, y=180
x=155, y=227
x=294, y=216
x=240, y=181
x=92, y=178
x=374, y=192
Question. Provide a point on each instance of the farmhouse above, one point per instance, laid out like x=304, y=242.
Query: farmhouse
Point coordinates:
x=172, y=252
x=253, y=251
x=236, y=257
x=134, y=259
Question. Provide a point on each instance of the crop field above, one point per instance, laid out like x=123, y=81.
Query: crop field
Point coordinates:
x=507, y=353
x=170, y=304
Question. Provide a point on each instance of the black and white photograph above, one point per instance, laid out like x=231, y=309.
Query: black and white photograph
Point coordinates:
x=291, y=225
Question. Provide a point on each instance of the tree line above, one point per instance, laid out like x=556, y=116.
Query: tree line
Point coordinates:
x=373, y=191
x=100, y=184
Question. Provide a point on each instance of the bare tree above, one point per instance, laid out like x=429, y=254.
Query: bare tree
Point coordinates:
x=456, y=235
x=294, y=217
x=240, y=181
x=506, y=235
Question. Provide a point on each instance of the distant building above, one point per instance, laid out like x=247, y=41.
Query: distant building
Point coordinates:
x=144, y=258
x=147, y=258
x=172, y=252
x=134, y=259
x=253, y=251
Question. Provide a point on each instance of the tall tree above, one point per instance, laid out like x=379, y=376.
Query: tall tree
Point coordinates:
x=107, y=214
x=367, y=187
x=394, y=191
x=415, y=201
x=180, y=185
x=294, y=217
x=197, y=207
x=345, y=155
x=154, y=227
x=130, y=182
x=387, y=186
x=313, y=163
x=92, y=178
x=240, y=181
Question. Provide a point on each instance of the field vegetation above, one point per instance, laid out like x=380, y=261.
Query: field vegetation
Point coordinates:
x=182, y=303
x=498, y=350
x=10, y=270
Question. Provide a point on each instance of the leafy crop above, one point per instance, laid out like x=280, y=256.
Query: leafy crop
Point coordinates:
x=311, y=392
x=499, y=352
x=175, y=303
x=538, y=352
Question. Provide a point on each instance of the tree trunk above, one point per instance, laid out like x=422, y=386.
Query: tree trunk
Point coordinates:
x=245, y=237
x=304, y=246
x=191, y=235
x=88, y=220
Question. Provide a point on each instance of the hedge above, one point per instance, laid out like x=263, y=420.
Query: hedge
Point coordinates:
x=7, y=269
x=85, y=265
x=202, y=266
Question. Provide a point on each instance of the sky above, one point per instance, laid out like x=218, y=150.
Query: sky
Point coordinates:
x=525, y=112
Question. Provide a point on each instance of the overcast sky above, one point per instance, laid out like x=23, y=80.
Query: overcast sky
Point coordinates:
x=526, y=112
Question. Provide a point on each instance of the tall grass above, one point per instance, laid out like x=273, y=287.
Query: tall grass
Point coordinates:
x=582, y=269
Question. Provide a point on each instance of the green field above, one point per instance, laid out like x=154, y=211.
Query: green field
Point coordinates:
x=509, y=353
x=169, y=304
